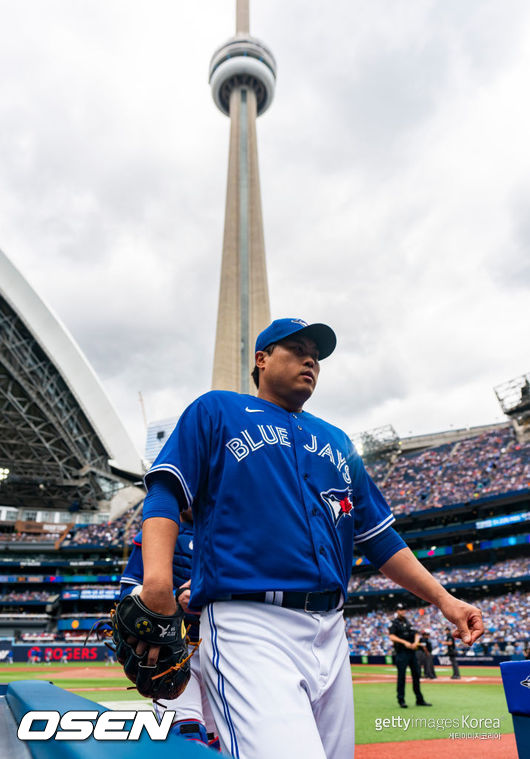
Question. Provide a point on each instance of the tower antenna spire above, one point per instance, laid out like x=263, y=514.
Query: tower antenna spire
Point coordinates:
x=242, y=79
x=242, y=17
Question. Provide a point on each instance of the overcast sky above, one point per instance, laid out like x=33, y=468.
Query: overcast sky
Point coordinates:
x=395, y=171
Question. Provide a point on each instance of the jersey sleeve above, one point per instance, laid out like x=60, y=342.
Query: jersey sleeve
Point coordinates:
x=134, y=571
x=184, y=458
x=380, y=548
x=163, y=498
x=371, y=512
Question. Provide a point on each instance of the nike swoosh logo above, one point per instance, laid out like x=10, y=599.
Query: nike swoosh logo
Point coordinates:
x=254, y=410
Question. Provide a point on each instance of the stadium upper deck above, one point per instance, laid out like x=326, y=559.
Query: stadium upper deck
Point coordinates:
x=488, y=463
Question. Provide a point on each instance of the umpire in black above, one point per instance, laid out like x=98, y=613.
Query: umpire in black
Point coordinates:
x=406, y=642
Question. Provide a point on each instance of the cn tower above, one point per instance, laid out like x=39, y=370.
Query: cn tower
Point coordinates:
x=242, y=79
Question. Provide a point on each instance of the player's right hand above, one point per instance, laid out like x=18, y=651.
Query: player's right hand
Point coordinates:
x=466, y=618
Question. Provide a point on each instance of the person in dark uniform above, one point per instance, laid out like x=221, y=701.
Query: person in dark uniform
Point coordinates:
x=451, y=653
x=406, y=641
x=425, y=660
x=421, y=656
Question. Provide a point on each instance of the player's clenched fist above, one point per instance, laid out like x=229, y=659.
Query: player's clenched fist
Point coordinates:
x=466, y=617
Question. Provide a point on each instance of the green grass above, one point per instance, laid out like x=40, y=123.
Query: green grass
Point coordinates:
x=373, y=701
x=111, y=695
x=69, y=683
x=451, y=701
x=360, y=670
x=116, y=679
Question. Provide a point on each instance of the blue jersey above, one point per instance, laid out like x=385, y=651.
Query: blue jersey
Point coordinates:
x=133, y=574
x=278, y=497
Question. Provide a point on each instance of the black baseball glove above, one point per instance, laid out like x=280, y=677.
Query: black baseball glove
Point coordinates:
x=169, y=676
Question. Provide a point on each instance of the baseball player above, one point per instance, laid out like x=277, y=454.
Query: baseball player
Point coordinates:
x=193, y=718
x=278, y=496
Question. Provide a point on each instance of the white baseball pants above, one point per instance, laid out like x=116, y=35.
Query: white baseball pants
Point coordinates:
x=278, y=681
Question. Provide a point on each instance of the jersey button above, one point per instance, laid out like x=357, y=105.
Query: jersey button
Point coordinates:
x=306, y=476
x=314, y=511
x=299, y=427
x=322, y=550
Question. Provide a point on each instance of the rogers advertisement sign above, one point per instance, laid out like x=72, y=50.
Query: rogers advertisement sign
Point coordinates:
x=41, y=654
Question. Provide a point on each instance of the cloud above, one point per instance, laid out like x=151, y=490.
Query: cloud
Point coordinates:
x=394, y=169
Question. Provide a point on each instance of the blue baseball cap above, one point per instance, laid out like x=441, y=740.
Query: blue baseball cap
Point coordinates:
x=323, y=335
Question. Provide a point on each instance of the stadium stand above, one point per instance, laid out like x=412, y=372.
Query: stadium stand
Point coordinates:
x=117, y=533
x=490, y=463
x=462, y=505
x=27, y=537
x=507, y=621
x=510, y=568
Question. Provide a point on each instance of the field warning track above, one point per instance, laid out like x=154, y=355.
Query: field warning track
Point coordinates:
x=442, y=748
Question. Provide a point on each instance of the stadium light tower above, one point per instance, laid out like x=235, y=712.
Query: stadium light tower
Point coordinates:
x=242, y=79
x=514, y=399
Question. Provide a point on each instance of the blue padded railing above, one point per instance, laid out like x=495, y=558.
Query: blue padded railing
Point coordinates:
x=23, y=696
x=516, y=681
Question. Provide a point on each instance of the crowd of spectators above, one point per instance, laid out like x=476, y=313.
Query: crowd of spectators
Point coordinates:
x=74, y=637
x=354, y=582
x=69, y=636
x=29, y=537
x=27, y=595
x=91, y=586
x=107, y=534
x=116, y=533
x=507, y=622
x=450, y=576
x=38, y=637
x=510, y=568
x=486, y=464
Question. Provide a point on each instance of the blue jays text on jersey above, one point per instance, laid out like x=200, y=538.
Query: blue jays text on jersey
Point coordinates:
x=278, y=497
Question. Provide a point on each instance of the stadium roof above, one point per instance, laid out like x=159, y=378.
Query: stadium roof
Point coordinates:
x=60, y=436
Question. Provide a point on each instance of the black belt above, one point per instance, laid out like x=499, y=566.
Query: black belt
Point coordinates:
x=316, y=601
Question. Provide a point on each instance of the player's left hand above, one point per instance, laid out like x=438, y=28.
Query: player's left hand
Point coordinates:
x=183, y=596
x=466, y=618
x=183, y=599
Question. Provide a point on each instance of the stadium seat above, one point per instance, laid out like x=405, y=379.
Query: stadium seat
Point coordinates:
x=516, y=681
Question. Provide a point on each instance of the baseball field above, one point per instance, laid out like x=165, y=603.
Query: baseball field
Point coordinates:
x=468, y=716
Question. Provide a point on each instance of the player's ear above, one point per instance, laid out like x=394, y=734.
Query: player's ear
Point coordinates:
x=261, y=358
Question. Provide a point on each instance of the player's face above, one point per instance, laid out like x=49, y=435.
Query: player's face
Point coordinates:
x=290, y=372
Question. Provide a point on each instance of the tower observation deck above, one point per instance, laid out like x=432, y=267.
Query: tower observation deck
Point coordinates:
x=242, y=77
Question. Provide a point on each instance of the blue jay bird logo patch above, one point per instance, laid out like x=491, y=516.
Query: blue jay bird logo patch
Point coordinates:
x=338, y=502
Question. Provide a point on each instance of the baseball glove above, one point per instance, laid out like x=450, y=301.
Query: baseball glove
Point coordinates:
x=169, y=676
